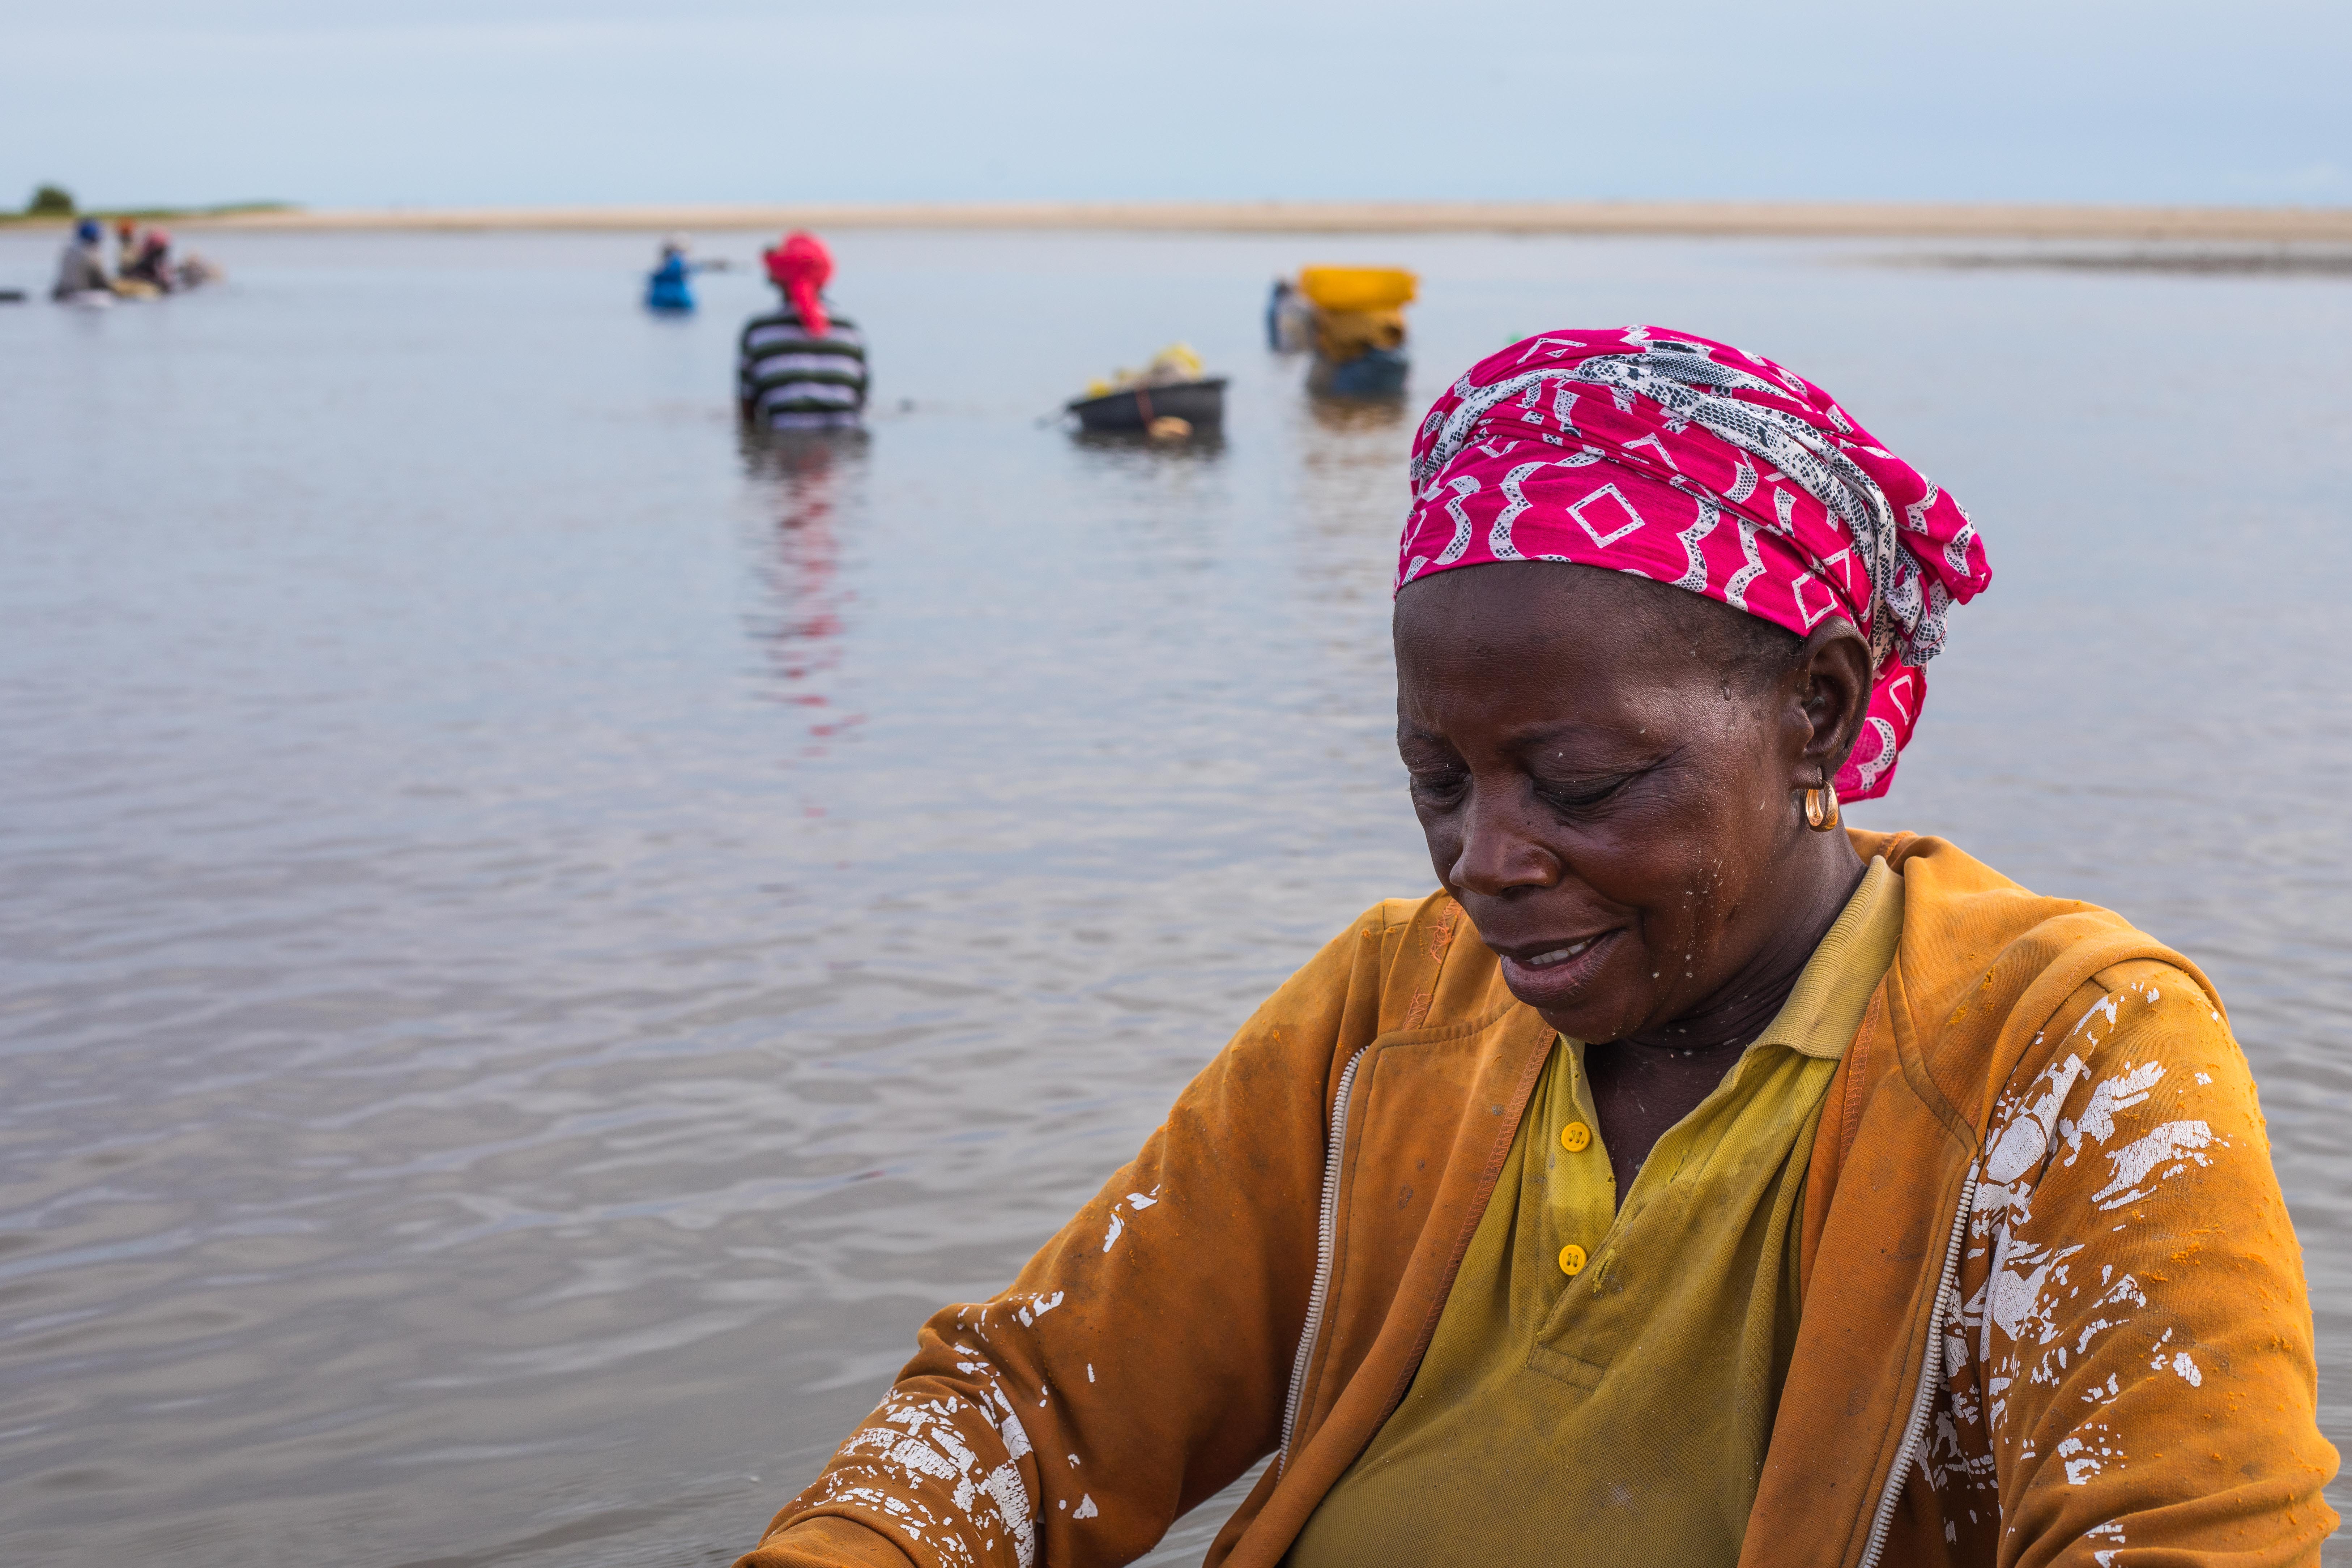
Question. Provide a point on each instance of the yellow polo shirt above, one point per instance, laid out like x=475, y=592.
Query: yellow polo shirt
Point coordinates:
x=1603, y=1378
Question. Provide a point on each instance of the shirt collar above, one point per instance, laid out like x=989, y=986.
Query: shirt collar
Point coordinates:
x=1824, y=1013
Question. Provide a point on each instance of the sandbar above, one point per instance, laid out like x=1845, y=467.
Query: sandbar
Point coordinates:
x=1926, y=220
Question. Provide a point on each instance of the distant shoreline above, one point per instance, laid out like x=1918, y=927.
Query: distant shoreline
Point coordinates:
x=1884, y=220
x=144, y=215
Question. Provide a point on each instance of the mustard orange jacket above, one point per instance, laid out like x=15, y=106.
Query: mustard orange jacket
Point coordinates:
x=2053, y=1309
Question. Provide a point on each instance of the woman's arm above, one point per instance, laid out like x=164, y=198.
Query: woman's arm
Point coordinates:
x=2140, y=1351
x=1138, y=1363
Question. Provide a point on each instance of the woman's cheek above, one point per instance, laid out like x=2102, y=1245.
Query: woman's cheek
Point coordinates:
x=1444, y=837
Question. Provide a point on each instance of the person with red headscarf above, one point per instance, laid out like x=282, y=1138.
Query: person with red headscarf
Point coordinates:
x=801, y=367
x=153, y=264
x=1690, y=1181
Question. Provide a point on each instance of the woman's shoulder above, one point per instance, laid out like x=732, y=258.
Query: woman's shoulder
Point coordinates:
x=1993, y=978
x=1402, y=964
x=1356, y=961
x=1964, y=922
x=2143, y=1032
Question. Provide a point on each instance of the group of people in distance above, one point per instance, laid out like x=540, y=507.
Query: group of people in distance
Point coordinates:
x=144, y=265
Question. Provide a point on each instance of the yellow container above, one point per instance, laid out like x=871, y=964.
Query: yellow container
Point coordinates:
x=1358, y=288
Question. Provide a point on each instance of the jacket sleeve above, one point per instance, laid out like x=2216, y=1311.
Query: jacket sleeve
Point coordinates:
x=2136, y=1348
x=1140, y=1361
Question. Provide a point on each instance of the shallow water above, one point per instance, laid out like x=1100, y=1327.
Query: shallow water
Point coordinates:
x=538, y=943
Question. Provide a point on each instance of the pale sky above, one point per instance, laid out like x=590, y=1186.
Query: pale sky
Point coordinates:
x=496, y=102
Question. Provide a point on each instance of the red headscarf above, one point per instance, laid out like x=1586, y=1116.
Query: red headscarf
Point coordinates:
x=800, y=266
x=1694, y=463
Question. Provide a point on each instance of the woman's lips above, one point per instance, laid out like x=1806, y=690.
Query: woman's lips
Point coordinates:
x=1552, y=976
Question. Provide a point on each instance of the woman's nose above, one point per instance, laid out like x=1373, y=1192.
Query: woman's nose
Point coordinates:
x=1498, y=851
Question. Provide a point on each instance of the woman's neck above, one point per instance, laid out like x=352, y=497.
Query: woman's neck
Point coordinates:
x=1645, y=1083
x=1740, y=1011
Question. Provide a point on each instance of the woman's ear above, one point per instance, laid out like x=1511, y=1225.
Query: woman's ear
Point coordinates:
x=1833, y=679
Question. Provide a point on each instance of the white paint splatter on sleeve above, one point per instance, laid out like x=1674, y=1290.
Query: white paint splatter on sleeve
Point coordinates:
x=2088, y=1452
x=915, y=1440
x=1037, y=1308
x=2031, y=1137
x=2175, y=1144
x=1015, y=1435
x=2109, y=1095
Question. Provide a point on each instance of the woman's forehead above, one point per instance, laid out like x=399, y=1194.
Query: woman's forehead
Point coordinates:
x=1558, y=611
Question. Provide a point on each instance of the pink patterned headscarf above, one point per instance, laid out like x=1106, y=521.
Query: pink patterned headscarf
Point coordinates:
x=1694, y=463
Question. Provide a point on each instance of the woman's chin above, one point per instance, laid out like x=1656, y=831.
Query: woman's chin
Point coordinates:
x=1578, y=997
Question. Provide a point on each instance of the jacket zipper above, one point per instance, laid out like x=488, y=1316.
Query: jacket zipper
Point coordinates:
x=1931, y=1366
x=1327, y=1231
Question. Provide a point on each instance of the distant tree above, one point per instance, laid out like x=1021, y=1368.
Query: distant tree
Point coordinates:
x=51, y=200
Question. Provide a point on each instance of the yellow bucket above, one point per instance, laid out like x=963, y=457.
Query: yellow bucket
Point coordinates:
x=1358, y=288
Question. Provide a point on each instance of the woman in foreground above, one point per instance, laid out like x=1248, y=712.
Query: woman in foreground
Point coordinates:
x=1690, y=1181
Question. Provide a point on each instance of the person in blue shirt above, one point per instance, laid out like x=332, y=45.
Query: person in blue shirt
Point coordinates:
x=81, y=269
x=669, y=287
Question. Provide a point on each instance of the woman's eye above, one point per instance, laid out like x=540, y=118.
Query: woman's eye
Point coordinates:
x=1581, y=796
x=1438, y=785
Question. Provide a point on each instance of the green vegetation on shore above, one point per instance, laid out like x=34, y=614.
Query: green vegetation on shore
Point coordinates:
x=54, y=206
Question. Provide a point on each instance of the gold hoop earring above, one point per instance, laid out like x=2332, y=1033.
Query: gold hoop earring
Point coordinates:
x=1821, y=807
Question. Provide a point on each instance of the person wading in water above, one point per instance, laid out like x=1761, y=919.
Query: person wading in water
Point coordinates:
x=801, y=367
x=1689, y=1181
x=81, y=266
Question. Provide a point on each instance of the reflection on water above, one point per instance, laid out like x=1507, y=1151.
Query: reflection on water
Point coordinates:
x=543, y=937
x=808, y=478
x=1384, y=416
x=1203, y=442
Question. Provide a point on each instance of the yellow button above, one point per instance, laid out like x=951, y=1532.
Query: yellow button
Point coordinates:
x=1576, y=1137
x=1571, y=1258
